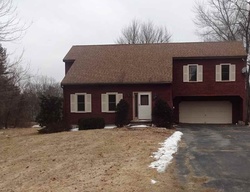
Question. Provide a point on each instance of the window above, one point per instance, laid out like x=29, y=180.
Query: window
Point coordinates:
x=112, y=102
x=109, y=101
x=80, y=103
x=144, y=100
x=225, y=72
x=192, y=73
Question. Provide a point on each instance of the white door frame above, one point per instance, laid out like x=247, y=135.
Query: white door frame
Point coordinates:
x=144, y=111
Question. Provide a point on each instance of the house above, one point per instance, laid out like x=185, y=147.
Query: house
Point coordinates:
x=203, y=81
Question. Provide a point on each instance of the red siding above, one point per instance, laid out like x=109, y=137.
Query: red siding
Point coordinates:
x=209, y=87
x=233, y=91
x=163, y=91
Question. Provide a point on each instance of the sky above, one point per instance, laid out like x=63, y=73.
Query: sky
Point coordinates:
x=56, y=25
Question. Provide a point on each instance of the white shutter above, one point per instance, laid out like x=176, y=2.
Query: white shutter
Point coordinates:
x=218, y=73
x=104, y=102
x=119, y=96
x=73, y=103
x=232, y=72
x=88, y=107
x=200, y=73
x=185, y=73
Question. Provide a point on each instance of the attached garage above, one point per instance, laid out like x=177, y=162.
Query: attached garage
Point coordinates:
x=208, y=112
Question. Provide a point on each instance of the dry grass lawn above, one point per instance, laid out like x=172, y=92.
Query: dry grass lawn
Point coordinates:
x=93, y=160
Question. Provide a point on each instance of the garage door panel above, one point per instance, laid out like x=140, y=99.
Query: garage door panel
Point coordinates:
x=214, y=112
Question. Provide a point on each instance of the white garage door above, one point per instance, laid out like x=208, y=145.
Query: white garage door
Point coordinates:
x=214, y=112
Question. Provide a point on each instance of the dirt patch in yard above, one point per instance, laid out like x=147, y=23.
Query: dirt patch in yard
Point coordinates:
x=93, y=160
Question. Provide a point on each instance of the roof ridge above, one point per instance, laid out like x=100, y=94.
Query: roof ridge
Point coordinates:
x=153, y=44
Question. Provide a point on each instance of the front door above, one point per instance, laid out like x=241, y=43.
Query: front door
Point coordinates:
x=144, y=105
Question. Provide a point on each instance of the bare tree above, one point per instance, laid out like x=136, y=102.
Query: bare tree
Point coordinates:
x=223, y=20
x=20, y=92
x=38, y=86
x=43, y=85
x=11, y=27
x=13, y=102
x=142, y=33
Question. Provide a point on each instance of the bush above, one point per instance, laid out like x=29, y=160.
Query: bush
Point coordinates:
x=121, y=114
x=55, y=127
x=91, y=123
x=162, y=114
x=50, y=110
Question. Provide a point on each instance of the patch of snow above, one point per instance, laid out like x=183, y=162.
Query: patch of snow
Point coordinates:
x=139, y=126
x=36, y=126
x=110, y=127
x=164, y=155
x=74, y=129
x=153, y=181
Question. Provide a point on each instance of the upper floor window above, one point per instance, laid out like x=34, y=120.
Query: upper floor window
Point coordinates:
x=192, y=73
x=80, y=103
x=225, y=72
x=110, y=100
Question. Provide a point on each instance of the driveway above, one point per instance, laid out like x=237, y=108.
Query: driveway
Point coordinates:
x=219, y=154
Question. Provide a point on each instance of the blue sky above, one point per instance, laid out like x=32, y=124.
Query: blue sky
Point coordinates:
x=56, y=25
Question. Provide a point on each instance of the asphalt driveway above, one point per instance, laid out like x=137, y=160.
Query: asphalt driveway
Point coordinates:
x=221, y=154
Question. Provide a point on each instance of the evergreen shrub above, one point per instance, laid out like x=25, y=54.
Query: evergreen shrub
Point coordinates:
x=91, y=123
x=50, y=110
x=121, y=114
x=162, y=114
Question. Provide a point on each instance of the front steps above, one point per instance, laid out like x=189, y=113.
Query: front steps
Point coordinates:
x=140, y=123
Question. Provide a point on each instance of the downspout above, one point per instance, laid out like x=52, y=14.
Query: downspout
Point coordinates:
x=247, y=94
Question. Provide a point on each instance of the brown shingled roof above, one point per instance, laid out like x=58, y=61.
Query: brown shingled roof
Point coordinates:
x=145, y=63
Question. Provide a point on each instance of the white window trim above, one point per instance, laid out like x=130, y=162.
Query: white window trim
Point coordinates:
x=74, y=102
x=199, y=75
x=232, y=72
x=104, y=101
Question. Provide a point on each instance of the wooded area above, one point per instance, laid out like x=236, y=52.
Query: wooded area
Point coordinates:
x=19, y=90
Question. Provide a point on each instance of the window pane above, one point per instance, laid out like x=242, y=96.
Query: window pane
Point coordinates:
x=81, y=107
x=112, y=102
x=144, y=100
x=112, y=106
x=80, y=102
x=112, y=98
x=80, y=98
x=225, y=72
x=193, y=73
